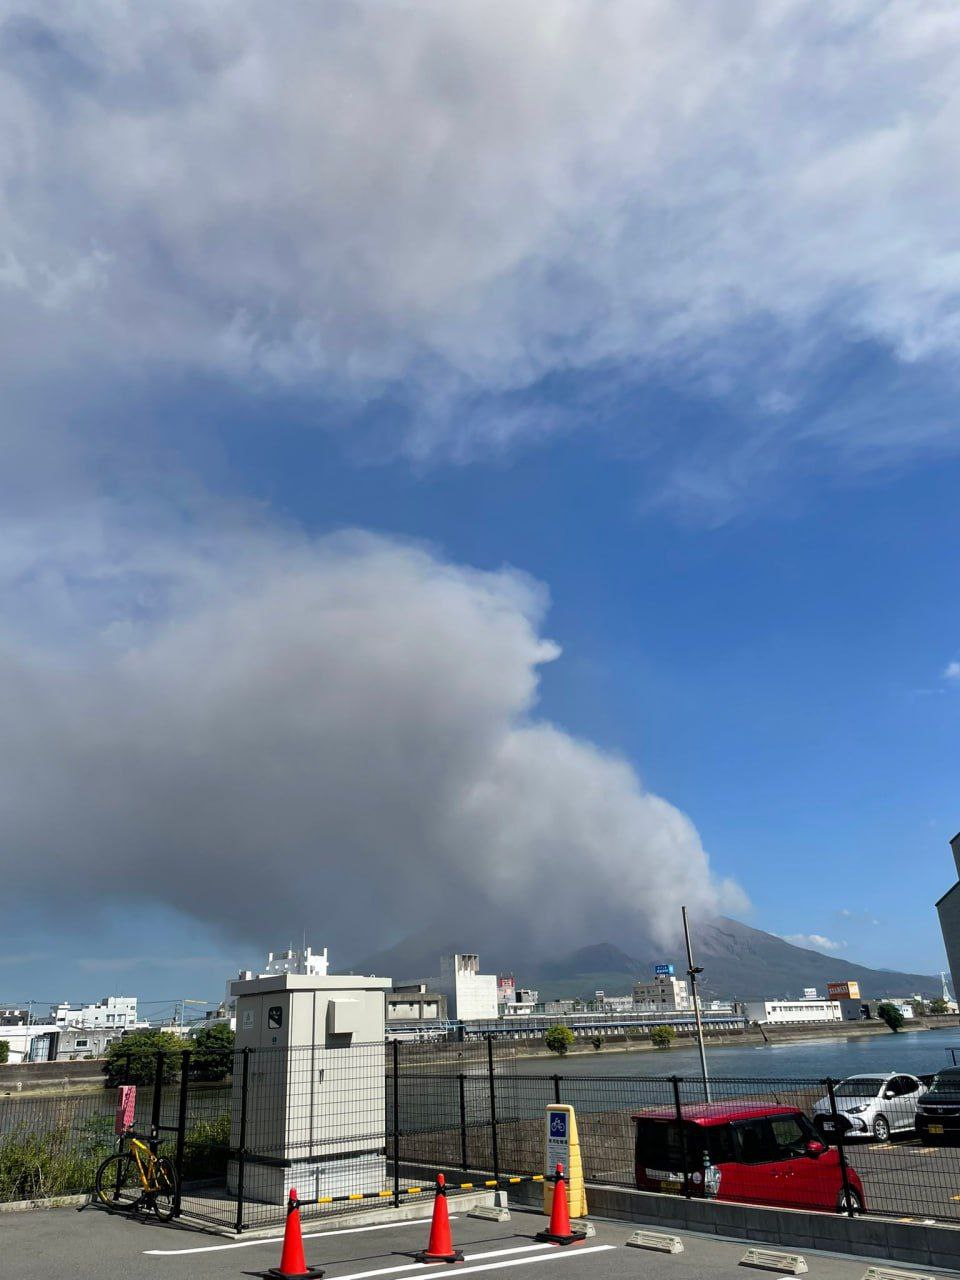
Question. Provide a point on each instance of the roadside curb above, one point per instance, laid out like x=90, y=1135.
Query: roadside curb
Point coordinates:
x=52, y=1202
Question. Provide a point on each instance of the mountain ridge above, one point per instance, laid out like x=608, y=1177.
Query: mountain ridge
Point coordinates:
x=739, y=961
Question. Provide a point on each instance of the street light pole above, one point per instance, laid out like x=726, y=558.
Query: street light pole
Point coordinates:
x=692, y=971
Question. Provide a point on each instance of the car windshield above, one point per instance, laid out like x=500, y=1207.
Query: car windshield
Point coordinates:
x=860, y=1087
x=946, y=1082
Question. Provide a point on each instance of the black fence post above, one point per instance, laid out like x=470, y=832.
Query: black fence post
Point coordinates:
x=157, y=1099
x=126, y=1069
x=493, y=1109
x=685, y=1164
x=242, y=1137
x=844, y=1178
x=556, y=1089
x=181, y=1128
x=396, y=1122
x=463, y=1121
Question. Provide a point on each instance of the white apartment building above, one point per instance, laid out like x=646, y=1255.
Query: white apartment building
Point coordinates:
x=792, y=1012
x=304, y=962
x=470, y=994
x=111, y=1013
x=665, y=994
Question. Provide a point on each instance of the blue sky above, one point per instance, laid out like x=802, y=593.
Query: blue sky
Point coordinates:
x=637, y=406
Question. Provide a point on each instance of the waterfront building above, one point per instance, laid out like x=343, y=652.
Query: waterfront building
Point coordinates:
x=665, y=994
x=470, y=993
x=948, y=909
x=792, y=1012
x=415, y=1002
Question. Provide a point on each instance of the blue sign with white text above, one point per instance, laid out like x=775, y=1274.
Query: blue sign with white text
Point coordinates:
x=664, y=968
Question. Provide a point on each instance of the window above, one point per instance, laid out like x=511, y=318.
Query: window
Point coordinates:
x=790, y=1136
x=905, y=1085
x=82, y=1044
x=754, y=1141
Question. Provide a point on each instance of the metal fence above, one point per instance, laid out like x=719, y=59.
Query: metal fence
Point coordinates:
x=354, y=1127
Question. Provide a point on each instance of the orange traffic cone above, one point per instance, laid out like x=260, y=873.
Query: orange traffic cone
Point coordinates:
x=292, y=1261
x=559, y=1230
x=440, y=1246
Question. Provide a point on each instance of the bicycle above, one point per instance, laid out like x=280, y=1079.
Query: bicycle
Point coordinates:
x=138, y=1177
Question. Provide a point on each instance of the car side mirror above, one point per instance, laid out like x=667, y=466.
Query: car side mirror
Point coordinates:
x=888, y=1094
x=815, y=1149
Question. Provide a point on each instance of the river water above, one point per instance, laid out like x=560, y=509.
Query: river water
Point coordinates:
x=916, y=1052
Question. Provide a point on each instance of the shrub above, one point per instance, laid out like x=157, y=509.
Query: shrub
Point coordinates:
x=597, y=1042
x=662, y=1037
x=559, y=1038
x=891, y=1015
x=4, y=1051
x=141, y=1048
x=939, y=1006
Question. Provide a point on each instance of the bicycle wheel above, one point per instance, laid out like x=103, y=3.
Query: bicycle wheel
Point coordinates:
x=118, y=1184
x=164, y=1196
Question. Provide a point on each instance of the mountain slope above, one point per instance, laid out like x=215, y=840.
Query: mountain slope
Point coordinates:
x=739, y=962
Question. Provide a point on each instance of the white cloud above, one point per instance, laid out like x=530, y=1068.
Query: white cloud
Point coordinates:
x=338, y=737
x=814, y=942
x=952, y=671
x=445, y=202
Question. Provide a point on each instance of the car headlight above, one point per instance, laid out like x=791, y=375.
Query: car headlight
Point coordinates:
x=855, y=1111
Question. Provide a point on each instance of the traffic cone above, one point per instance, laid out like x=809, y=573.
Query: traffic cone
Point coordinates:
x=559, y=1230
x=440, y=1246
x=292, y=1261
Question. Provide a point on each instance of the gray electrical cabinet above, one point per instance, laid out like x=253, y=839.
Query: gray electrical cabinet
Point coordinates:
x=315, y=1108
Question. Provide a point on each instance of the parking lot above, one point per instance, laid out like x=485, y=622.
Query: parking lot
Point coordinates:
x=95, y=1244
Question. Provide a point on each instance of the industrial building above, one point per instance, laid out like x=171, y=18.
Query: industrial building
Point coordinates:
x=948, y=909
x=792, y=1012
x=470, y=994
x=415, y=1002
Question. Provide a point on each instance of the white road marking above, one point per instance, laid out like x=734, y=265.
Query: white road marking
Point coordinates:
x=470, y=1257
x=312, y=1235
x=556, y=1254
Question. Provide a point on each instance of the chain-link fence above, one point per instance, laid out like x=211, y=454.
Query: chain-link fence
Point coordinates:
x=358, y=1126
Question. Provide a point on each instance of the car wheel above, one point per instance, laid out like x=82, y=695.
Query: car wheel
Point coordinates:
x=849, y=1200
x=881, y=1129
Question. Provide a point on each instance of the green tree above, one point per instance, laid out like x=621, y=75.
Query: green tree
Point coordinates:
x=919, y=1008
x=141, y=1049
x=559, y=1038
x=891, y=1015
x=663, y=1036
x=211, y=1054
x=939, y=1006
x=4, y=1051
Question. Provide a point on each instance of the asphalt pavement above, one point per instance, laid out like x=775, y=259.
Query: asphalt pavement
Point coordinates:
x=93, y=1244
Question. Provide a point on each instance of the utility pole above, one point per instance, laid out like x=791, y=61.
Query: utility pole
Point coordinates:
x=692, y=971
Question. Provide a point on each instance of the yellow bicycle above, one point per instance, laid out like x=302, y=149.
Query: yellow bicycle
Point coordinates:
x=138, y=1177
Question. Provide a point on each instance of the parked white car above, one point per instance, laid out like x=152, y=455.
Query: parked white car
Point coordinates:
x=870, y=1106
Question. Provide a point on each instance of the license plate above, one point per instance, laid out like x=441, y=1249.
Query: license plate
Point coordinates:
x=828, y=1124
x=935, y=1128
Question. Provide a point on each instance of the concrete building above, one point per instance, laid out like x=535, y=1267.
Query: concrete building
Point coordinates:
x=792, y=1012
x=306, y=962
x=14, y=1017
x=470, y=993
x=110, y=1013
x=415, y=1002
x=666, y=993
x=948, y=909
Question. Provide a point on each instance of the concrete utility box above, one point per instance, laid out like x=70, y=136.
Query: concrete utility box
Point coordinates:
x=315, y=1107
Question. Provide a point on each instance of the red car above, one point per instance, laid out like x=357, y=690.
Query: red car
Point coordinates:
x=742, y=1151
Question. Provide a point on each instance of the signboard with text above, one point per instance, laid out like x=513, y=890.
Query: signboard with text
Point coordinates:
x=665, y=970
x=563, y=1147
